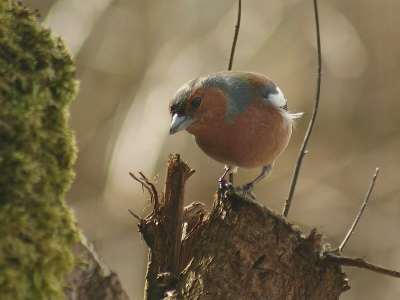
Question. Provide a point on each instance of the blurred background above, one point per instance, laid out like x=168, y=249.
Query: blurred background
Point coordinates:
x=131, y=57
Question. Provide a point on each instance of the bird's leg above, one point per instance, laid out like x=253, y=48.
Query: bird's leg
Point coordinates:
x=223, y=183
x=231, y=178
x=247, y=189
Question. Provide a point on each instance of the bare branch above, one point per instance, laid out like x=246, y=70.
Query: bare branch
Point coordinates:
x=303, y=151
x=360, y=212
x=361, y=263
x=235, y=37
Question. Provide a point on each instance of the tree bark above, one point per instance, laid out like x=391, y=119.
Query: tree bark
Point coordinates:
x=92, y=279
x=242, y=250
x=248, y=251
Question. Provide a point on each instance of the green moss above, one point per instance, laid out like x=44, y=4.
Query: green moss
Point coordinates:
x=37, y=152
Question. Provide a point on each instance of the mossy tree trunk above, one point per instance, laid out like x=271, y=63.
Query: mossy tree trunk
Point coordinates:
x=39, y=242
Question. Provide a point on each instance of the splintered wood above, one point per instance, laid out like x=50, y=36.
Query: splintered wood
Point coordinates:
x=241, y=250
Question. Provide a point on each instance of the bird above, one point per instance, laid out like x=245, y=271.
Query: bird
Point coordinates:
x=238, y=118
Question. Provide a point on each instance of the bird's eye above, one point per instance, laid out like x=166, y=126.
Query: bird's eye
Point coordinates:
x=196, y=102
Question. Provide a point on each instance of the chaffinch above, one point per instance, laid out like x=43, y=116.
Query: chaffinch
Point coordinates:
x=239, y=119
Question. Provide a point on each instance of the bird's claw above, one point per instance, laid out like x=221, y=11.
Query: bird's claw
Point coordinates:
x=224, y=186
x=246, y=191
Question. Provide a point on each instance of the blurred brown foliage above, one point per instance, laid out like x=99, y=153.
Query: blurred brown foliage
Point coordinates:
x=133, y=55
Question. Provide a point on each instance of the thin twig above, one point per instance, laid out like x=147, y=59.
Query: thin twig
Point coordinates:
x=191, y=172
x=138, y=180
x=135, y=215
x=235, y=37
x=360, y=212
x=360, y=263
x=303, y=152
x=149, y=186
x=152, y=187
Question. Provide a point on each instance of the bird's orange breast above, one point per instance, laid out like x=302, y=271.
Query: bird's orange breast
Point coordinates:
x=253, y=139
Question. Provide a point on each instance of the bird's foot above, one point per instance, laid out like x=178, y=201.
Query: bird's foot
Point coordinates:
x=246, y=191
x=224, y=186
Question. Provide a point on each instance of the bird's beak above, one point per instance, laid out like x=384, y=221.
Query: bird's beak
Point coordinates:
x=179, y=123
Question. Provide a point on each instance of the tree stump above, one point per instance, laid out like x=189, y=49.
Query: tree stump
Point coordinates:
x=239, y=250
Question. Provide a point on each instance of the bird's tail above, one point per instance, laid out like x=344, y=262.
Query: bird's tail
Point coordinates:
x=295, y=115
